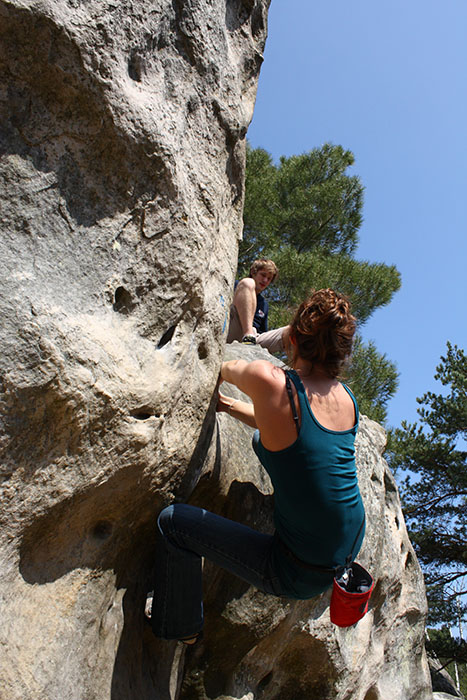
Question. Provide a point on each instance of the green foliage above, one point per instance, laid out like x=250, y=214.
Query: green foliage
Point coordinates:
x=307, y=202
x=449, y=651
x=448, y=414
x=444, y=647
x=260, y=207
x=434, y=487
x=305, y=214
x=462, y=671
x=373, y=378
x=319, y=203
x=368, y=285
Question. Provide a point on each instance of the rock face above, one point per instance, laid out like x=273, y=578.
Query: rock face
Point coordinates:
x=122, y=139
x=122, y=143
x=257, y=646
x=442, y=683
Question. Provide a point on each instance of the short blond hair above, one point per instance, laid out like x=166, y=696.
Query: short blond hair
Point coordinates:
x=264, y=264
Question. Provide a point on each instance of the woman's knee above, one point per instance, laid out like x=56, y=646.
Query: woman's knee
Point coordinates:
x=178, y=517
x=164, y=521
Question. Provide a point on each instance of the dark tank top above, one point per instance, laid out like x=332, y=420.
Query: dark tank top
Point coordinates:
x=318, y=510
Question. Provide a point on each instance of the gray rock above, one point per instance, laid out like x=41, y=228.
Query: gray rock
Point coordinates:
x=441, y=681
x=122, y=140
x=122, y=146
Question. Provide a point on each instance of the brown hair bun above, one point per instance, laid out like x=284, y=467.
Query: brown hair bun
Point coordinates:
x=323, y=329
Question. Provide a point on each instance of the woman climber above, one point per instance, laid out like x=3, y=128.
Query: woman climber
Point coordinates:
x=306, y=423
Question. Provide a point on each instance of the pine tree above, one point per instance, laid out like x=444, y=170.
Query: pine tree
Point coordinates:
x=305, y=214
x=432, y=460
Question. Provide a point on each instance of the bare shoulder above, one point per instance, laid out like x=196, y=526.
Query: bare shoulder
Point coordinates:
x=267, y=383
x=253, y=378
x=344, y=393
x=333, y=408
x=264, y=371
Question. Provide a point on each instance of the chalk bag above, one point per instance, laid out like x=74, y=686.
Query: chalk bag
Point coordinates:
x=351, y=593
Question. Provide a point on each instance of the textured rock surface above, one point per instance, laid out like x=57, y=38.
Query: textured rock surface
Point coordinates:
x=257, y=646
x=122, y=135
x=441, y=681
x=122, y=139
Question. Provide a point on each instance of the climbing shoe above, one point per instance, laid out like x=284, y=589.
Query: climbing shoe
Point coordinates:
x=249, y=339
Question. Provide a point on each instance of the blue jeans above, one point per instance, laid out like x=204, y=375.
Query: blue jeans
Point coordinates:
x=188, y=534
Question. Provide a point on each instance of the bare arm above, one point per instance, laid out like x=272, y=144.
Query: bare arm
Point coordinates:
x=264, y=383
x=241, y=410
x=232, y=370
x=247, y=376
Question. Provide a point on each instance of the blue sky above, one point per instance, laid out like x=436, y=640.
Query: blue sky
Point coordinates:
x=387, y=80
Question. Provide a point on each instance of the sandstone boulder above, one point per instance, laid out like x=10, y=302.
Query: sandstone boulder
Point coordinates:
x=122, y=140
x=441, y=681
x=122, y=146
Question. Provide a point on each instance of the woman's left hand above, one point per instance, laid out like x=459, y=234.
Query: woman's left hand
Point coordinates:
x=241, y=410
x=223, y=403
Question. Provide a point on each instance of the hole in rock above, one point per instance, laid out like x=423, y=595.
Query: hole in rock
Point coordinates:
x=414, y=616
x=372, y=694
x=202, y=351
x=389, y=483
x=166, y=337
x=244, y=12
x=192, y=104
x=123, y=303
x=395, y=590
x=257, y=22
x=144, y=414
x=135, y=67
x=264, y=682
x=102, y=530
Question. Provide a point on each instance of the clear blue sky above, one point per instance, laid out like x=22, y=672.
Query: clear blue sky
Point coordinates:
x=387, y=80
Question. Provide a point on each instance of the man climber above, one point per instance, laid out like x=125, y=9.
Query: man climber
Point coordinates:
x=249, y=310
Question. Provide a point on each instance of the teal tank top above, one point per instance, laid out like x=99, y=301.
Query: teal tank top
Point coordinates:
x=318, y=509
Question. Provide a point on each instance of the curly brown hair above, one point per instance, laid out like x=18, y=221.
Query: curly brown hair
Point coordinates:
x=323, y=329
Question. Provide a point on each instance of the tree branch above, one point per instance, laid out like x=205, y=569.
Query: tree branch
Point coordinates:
x=434, y=501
